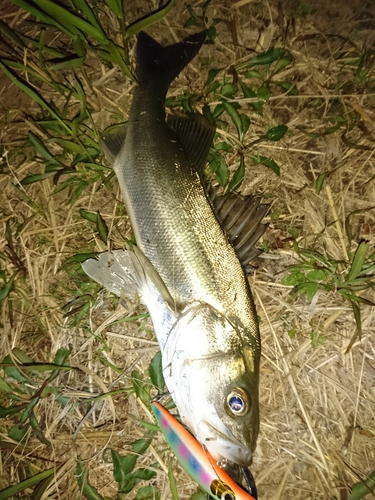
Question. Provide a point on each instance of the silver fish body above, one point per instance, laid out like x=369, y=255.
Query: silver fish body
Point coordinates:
x=205, y=321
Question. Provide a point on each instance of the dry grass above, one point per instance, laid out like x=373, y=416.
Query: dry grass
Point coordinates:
x=317, y=403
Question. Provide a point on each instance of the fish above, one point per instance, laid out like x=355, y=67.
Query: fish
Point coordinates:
x=188, y=266
x=196, y=460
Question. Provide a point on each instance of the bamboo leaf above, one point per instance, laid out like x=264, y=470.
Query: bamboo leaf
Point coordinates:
x=71, y=21
x=7, y=288
x=276, y=133
x=41, y=149
x=358, y=261
x=117, y=59
x=238, y=176
x=30, y=179
x=172, y=482
x=33, y=94
x=27, y=483
x=43, y=16
x=102, y=228
x=235, y=116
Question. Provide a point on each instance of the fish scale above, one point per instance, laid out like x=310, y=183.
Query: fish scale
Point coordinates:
x=172, y=218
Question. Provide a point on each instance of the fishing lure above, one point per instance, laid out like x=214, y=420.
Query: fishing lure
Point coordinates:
x=196, y=460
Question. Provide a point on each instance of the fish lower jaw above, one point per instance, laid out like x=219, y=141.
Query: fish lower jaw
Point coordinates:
x=223, y=448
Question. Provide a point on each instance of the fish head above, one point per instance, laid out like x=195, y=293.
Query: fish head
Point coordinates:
x=211, y=368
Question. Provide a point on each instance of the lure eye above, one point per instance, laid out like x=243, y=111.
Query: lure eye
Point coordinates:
x=238, y=403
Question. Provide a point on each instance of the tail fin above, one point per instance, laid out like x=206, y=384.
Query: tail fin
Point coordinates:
x=158, y=65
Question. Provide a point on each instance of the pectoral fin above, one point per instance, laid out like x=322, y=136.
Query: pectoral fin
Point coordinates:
x=128, y=272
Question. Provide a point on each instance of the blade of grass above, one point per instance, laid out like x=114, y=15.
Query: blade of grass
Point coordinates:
x=27, y=483
x=43, y=16
x=152, y=18
x=72, y=22
x=33, y=95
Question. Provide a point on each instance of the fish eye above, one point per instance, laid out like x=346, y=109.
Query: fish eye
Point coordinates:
x=237, y=402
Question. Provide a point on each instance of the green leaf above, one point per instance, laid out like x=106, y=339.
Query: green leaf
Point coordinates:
x=68, y=62
x=308, y=288
x=27, y=483
x=11, y=34
x=267, y=162
x=199, y=495
x=88, y=11
x=102, y=228
x=33, y=95
x=116, y=7
x=282, y=63
x=82, y=479
x=22, y=356
x=122, y=467
x=219, y=167
x=319, y=182
x=50, y=20
x=236, y=119
x=90, y=216
x=262, y=59
x=229, y=90
x=41, y=149
x=141, y=445
x=13, y=372
x=79, y=258
x=140, y=389
x=172, y=482
x=317, y=274
x=7, y=288
x=12, y=410
x=5, y=387
x=363, y=488
x=152, y=18
x=358, y=261
x=238, y=176
x=276, y=133
x=245, y=125
x=18, y=432
x=70, y=20
x=30, y=179
x=263, y=94
x=144, y=474
x=147, y=493
x=118, y=59
x=156, y=372
x=211, y=75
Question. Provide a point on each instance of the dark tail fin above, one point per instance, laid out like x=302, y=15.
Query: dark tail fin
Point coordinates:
x=158, y=65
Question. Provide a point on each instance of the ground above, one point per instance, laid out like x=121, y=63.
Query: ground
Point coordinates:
x=317, y=391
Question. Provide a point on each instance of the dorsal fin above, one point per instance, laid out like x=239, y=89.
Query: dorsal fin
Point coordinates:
x=112, y=139
x=195, y=134
x=240, y=217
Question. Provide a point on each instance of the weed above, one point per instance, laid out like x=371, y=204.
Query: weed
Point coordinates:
x=316, y=271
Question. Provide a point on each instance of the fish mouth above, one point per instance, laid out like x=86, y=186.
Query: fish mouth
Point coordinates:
x=222, y=445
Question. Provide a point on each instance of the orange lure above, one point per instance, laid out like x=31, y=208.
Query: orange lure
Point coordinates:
x=196, y=460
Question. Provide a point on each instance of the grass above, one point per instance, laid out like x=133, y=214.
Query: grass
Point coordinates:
x=293, y=115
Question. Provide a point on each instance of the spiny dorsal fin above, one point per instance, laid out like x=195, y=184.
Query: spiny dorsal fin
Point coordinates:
x=195, y=134
x=112, y=139
x=240, y=217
